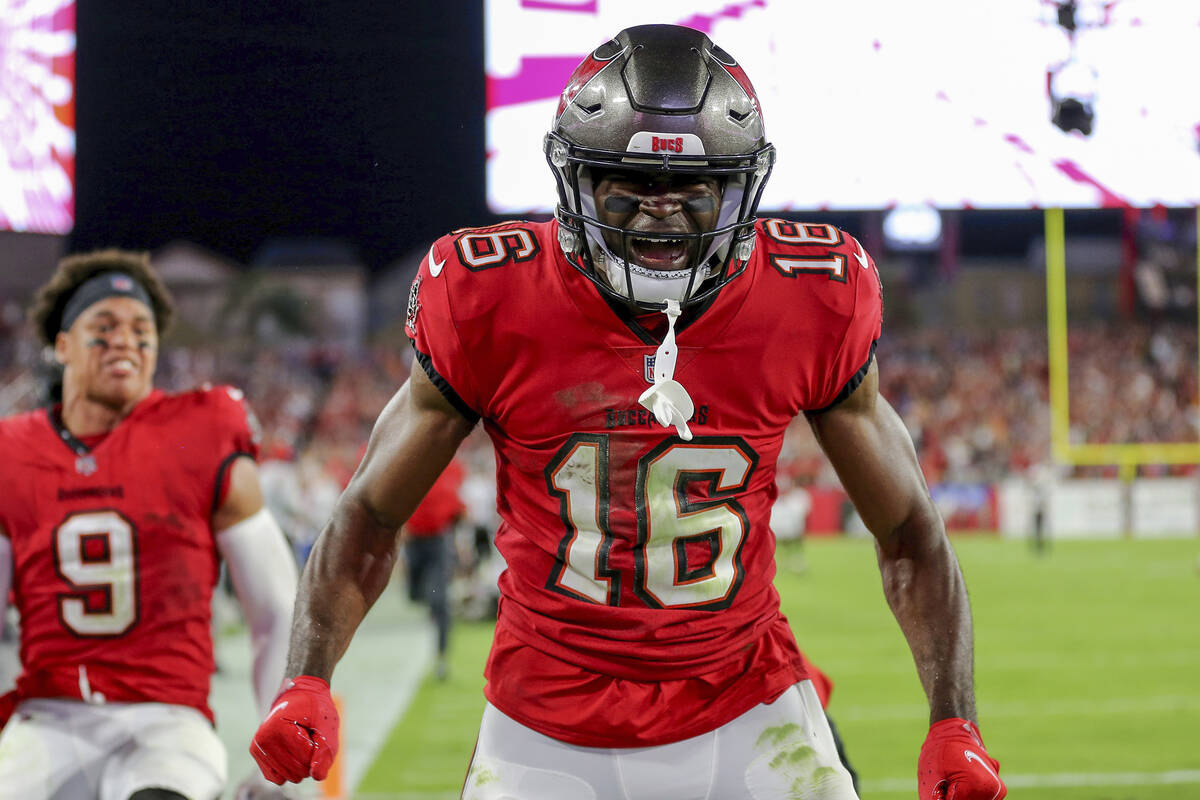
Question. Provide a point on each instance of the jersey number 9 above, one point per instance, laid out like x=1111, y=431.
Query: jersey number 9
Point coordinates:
x=95, y=553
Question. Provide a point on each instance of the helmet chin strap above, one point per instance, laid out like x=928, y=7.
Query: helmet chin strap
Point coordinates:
x=667, y=399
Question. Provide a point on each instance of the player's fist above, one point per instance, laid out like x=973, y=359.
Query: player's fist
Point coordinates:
x=299, y=737
x=955, y=766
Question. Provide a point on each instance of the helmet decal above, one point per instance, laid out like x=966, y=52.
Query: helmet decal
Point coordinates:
x=680, y=143
x=739, y=75
x=583, y=74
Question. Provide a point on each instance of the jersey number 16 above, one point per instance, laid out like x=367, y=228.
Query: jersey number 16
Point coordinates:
x=688, y=551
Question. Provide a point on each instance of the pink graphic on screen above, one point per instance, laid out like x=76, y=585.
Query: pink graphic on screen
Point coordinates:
x=871, y=106
x=37, y=115
x=541, y=77
x=584, y=6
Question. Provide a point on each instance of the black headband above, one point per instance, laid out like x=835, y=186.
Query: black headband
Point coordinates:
x=95, y=289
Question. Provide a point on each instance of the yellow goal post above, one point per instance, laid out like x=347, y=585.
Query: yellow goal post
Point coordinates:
x=1127, y=456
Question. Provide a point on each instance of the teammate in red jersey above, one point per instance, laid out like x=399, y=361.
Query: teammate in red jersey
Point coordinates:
x=636, y=362
x=119, y=504
x=429, y=554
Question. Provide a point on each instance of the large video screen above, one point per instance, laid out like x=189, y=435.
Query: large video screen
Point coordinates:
x=879, y=103
x=37, y=115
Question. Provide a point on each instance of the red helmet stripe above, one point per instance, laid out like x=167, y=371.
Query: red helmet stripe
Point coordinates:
x=587, y=70
x=739, y=75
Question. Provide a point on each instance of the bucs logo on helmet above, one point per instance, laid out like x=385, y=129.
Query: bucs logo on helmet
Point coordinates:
x=659, y=100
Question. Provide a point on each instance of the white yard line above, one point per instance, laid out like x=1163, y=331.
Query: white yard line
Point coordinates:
x=1113, y=705
x=1059, y=780
x=1039, y=661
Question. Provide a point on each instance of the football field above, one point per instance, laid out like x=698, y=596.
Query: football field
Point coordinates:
x=1087, y=672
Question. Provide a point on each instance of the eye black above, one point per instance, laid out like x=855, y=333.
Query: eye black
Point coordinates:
x=621, y=204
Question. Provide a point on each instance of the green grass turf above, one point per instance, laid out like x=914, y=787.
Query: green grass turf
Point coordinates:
x=1087, y=661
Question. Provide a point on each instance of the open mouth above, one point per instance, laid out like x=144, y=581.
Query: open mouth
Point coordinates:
x=659, y=254
x=121, y=367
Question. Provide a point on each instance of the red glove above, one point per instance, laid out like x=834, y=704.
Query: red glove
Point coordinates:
x=299, y=737
x=955, y=766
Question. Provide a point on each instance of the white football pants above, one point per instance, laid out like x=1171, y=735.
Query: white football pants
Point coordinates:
x=71, y=750
x=777, y=751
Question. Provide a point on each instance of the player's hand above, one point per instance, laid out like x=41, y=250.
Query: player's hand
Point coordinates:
x=955, y=766
x=299, y=737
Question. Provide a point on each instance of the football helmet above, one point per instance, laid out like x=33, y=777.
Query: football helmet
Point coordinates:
x=665, y=101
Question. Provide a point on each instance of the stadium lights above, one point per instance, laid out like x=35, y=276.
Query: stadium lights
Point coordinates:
x=912, y=227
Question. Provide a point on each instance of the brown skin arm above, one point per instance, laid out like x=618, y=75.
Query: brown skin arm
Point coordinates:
x=873, y=454
x=414, y=439
x=244, y=497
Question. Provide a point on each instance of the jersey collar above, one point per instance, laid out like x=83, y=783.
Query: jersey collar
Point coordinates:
x=716, y=312
x=54, y=417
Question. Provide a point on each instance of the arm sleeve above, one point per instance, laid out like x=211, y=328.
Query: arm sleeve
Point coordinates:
x=862, y=318
x=263, y=571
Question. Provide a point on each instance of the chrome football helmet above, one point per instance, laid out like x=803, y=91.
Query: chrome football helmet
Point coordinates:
x=665, y=101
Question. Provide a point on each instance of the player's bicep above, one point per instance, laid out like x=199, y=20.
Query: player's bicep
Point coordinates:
x=244, y=496
x=414, y=439
x=872, y=452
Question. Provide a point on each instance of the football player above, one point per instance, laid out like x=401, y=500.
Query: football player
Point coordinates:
x=636, y=361
x=430, y=554
x=119, y=504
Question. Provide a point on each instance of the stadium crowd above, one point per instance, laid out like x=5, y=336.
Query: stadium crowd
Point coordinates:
x=976, y=403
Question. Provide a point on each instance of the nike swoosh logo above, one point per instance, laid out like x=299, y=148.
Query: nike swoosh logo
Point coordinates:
x=861, y=255
x=435, y=266
x=973, y=756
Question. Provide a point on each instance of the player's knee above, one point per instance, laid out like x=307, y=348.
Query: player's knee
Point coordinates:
x=156, y=794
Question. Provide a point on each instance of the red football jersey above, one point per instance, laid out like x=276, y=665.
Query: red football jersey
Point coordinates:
x=113, y=554
x=638, y=605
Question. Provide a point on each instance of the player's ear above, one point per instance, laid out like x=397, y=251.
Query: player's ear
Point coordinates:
x=62, y=343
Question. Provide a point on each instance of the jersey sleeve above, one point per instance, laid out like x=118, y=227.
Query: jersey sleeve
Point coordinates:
x=432, y=328
x=7, y=445
x=20, y=470
x=239, y=429
x=859, y=313
x=235, y=431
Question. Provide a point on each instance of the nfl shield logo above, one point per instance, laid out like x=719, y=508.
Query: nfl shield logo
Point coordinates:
x=650, y=368
x=86, y=464
x=122, y=283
